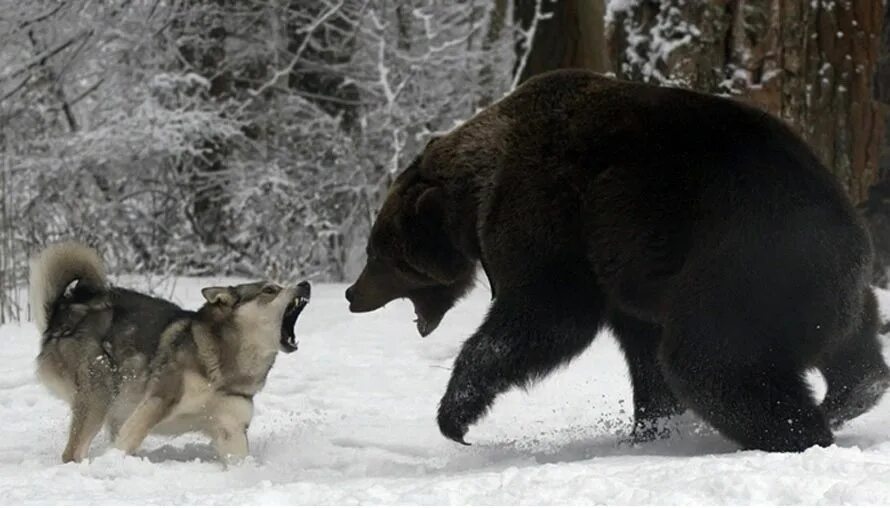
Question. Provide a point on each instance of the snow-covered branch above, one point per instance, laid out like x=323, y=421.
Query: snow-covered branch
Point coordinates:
x=253, y=138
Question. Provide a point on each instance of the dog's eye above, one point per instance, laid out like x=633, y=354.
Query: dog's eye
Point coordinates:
x=270, y=290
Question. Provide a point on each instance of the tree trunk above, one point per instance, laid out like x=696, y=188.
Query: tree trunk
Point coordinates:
x=882, y=74
x=876, y=209
x=573, y=36
x=881, y=92
x=809, y=63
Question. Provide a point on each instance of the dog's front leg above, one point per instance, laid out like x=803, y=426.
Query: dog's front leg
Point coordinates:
x=230, y=419
x=147, y=414
x=230, y=443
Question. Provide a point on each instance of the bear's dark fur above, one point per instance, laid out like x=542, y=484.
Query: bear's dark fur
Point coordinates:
x=707, y=235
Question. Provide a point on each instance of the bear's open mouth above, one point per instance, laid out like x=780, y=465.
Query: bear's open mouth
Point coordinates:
x=289, y=342
x=424, y=327
x=425, y=322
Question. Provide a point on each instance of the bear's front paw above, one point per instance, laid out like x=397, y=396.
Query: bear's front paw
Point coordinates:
x=452, y=427
x=652, y=429
x=461, y=406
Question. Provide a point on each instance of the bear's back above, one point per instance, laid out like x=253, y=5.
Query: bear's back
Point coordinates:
x=577, y=125
x=644, y=179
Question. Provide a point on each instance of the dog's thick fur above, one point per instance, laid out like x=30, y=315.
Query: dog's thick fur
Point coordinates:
x=705, y=233
x=143, y=365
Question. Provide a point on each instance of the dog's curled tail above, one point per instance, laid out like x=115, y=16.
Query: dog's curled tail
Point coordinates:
x=54, y=269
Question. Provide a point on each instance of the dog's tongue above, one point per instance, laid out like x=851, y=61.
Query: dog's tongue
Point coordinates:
x=289, y=342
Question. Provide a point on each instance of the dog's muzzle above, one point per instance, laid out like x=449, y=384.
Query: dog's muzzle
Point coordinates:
x=289, y=342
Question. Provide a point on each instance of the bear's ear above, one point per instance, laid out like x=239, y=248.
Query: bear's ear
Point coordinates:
x=430, y=141
x=434, y=253
x=430, y=206
x=219, y=296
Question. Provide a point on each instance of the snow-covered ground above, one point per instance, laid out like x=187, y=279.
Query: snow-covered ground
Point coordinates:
x=349, y=419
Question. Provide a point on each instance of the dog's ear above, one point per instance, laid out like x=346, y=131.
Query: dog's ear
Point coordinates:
x=219, y=296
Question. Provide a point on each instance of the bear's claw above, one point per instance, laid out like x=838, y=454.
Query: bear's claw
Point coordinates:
x=453, y=430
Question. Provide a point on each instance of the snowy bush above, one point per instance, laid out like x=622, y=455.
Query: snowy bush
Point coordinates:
x=228, y=137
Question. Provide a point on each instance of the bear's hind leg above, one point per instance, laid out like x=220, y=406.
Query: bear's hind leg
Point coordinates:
x=524, y=337
x=653, y=400
x=753, y=397
x=855, y=372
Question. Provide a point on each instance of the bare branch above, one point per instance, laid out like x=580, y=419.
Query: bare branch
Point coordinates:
x=307, y=37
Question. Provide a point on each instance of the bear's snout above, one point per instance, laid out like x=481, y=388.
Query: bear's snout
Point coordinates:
x=362, y=301
x=354, y=303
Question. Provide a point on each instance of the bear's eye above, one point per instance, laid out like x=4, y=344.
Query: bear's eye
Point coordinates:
x=408, y=269
x=270, y=290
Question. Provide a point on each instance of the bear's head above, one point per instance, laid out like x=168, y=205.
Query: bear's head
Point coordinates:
x=412, y=253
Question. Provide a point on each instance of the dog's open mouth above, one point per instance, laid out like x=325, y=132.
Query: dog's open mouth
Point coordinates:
x=289, y=342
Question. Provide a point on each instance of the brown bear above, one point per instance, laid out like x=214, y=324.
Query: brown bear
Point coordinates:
x=724, y=256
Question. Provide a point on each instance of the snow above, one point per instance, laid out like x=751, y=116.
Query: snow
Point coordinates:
x=614, y=7
x=349, y=419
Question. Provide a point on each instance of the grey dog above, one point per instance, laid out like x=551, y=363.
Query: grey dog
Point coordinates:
x=141, y=365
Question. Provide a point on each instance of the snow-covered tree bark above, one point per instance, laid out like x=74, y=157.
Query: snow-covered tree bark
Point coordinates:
x=882, y=73
x=876, y=208
x=568, y=34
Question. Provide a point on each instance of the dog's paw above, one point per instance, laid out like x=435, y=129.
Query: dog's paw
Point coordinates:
x=126, y=443
x=69, y=456
x=232, y=460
